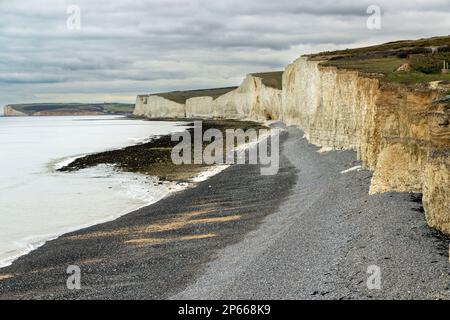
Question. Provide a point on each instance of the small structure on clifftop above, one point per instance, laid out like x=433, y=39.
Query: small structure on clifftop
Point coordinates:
x=445, y=69
x=434, y=50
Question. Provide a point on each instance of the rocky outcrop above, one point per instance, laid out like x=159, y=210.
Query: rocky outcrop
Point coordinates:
x=9, y=111
x=400, y=133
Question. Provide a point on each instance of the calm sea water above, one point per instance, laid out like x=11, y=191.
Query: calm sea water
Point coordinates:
x=37, y=203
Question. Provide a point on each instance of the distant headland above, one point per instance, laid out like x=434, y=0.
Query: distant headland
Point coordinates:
x=67, y=109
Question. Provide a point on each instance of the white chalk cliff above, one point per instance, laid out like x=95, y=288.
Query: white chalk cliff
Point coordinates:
x=9, y=111
x=397, y=132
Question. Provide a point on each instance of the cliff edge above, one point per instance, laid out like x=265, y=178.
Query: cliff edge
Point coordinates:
x=9, y=111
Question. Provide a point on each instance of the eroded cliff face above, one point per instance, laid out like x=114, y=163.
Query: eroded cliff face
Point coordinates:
x=397, y=132
x=200, y=107
x=334, y=107
x=153, y=106
x=251, y=100
x=9, y=111
x=436, y=176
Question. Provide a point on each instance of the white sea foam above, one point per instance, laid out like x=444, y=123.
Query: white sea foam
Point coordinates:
x=61, y=163
x=139, y=140
x=208, y=173
x=145, y=190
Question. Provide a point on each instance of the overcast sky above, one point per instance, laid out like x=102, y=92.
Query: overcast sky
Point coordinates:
x=129, y=47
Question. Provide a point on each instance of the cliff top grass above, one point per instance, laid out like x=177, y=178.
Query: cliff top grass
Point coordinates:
x=401, y=45
x=109, y=108
x=271, y=79
x=182, y=96
x=409, y=62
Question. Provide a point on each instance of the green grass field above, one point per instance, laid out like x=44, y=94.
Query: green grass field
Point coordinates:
x=379, y=65
x=424, y=65
x=391, y=46
x=271, y=79
x=182, y=96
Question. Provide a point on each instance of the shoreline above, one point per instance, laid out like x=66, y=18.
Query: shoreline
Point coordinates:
x=42, y=239
x=153, y=158
x=219, y=239
x=198, y=175
x=184, y=218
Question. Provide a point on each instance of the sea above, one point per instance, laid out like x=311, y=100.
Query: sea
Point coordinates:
x=38, y=203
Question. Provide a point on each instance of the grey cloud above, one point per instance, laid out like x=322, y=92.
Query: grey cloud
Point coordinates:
x=157, y=45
